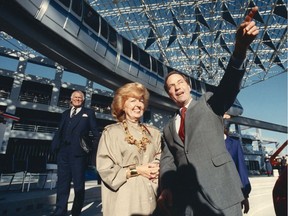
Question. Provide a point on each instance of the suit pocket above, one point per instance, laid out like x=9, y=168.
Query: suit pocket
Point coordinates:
x=221, y=159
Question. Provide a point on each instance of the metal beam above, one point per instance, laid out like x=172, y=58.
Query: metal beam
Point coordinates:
x=17, y=23
x=240, y=120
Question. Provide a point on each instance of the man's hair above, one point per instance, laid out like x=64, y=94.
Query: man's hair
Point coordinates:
x=80, y=92
x=186, y=78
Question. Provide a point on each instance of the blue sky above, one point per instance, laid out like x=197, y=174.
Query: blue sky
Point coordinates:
x=267, y=101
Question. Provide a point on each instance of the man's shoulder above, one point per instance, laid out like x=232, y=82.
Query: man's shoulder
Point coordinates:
x=88, y=110
x=206, y=96
x=66, y=112
x=234, y=139
x=170, y=122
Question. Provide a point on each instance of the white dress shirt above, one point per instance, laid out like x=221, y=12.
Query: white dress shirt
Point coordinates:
x=77, y=110
x=178, y=118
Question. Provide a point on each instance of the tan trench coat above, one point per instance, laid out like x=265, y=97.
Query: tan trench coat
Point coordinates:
x=121, y=196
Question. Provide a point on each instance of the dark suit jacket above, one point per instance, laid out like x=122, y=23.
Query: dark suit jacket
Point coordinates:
x=202, y=165
x=83, y=122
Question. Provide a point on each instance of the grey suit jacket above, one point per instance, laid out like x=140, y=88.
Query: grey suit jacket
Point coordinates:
x=201, y=169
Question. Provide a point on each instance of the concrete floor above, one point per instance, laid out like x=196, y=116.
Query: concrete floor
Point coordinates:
x=41, y=202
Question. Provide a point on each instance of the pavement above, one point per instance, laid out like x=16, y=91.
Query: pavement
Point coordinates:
x=41, y=202
x=260, y=198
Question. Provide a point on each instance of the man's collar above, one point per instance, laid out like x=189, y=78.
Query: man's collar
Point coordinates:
x=187, y=105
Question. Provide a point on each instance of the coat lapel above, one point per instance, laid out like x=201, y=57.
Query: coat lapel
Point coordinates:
x=173, y=131
x=76, y=119
x=188, y=118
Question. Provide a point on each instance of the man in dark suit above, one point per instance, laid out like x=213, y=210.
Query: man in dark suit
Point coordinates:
x=72, y=153
x=234, y=147
x=197, y=174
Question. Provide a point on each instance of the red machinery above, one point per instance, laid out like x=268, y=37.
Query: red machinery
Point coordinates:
x=273, y=160
x=7, y=115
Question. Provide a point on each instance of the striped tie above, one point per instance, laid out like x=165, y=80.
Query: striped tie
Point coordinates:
x=73, y=112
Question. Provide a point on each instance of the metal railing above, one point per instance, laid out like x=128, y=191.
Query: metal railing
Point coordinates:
x=34, y=128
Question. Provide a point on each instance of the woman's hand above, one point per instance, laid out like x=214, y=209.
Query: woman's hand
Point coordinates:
x=150, y=170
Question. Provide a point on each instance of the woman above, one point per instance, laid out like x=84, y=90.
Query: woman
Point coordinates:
x=128, y=155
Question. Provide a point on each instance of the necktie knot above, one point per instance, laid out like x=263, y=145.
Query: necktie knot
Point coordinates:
x=183, y=112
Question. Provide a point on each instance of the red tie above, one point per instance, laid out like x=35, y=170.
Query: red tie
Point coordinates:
x=181, y=131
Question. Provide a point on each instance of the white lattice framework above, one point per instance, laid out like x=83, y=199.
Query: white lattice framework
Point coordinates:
x=197, y=37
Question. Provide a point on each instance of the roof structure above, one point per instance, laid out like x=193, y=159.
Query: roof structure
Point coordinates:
x=197, y=37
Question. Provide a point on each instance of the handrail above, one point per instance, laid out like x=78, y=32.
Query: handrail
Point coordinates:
x=34, y=128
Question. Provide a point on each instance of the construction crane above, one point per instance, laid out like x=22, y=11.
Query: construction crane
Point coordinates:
x=273, y=158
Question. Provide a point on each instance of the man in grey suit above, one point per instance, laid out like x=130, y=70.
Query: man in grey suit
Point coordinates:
x=72, y=153
x=197, y=174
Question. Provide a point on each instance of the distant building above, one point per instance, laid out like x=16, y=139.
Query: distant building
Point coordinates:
x=38, y=90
